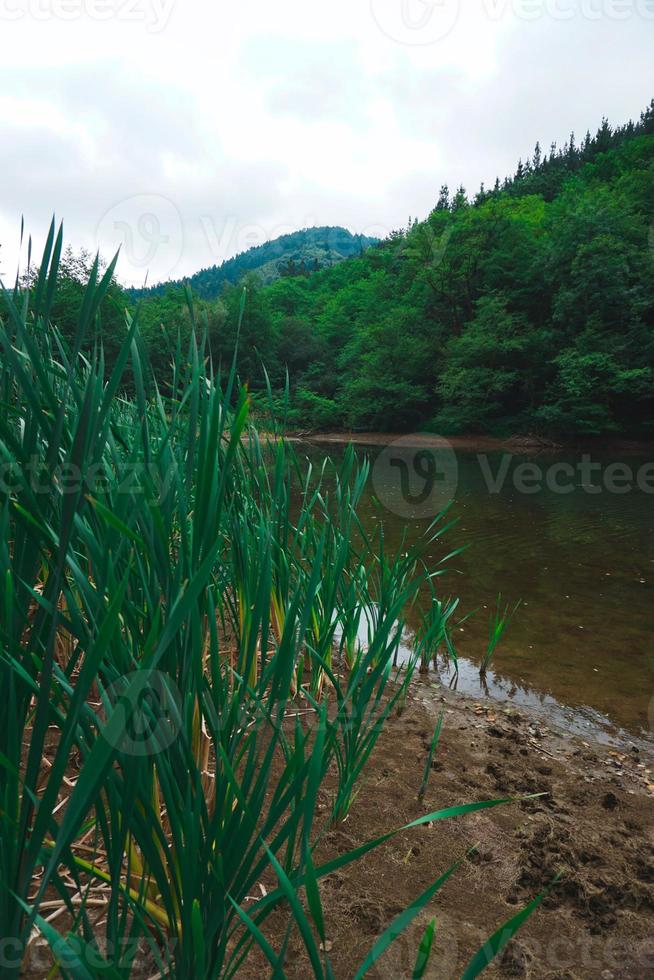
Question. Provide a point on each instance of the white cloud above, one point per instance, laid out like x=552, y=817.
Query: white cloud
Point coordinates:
x=245, y=120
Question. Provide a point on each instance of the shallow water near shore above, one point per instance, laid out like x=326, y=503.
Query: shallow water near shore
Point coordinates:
x=580, y=650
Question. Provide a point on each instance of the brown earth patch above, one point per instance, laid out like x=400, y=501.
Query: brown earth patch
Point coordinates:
x=594, y=825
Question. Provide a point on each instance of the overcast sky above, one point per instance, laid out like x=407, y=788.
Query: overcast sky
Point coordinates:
x=189, y=130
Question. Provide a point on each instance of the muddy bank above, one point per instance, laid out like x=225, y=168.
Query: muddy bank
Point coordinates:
x=595, y=824
x=426, y=439
x=482, y=443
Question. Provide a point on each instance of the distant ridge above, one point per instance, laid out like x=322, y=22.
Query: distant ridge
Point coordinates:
x=297, y=254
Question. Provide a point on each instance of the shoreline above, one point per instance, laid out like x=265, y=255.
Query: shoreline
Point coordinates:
x=479, y=443
x=593, y=709
x=543, y=707
x=551, y=729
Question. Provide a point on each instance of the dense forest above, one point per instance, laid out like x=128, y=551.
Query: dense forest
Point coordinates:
x=529, y=307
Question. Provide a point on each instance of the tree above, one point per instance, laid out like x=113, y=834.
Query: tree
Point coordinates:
x=537, y=157
x=491, y=371
x=443, y=203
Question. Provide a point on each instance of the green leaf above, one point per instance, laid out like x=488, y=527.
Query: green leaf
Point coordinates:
x=484, y=956
x=424, y=951
x=404, y=919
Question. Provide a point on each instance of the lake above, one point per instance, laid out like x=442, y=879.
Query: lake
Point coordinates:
x=572, y=536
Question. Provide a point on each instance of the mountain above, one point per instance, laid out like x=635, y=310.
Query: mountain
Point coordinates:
x=297, y=254
x=524, y=308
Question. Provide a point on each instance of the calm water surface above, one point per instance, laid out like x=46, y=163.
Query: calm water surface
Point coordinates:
x=581, y=646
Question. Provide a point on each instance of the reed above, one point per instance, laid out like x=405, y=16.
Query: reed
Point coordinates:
x=430, y=756
x=170, y=592
x=500, y=620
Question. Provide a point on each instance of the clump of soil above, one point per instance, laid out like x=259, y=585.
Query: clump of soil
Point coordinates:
x=593, y=825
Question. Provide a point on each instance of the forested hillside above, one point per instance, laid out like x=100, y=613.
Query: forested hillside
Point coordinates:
x=300, y=253
x=531, y=308
x=528, y=308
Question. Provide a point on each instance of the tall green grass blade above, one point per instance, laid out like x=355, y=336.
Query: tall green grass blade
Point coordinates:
x=424, y=951
x=499, y=940
x=403, y=920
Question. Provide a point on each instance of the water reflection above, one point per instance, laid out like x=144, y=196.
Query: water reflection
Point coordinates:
x=583, y=564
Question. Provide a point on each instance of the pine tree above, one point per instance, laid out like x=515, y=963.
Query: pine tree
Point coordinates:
x=460, y=200
x=537, y=158
x=572, y=149
x=586, y=146
x=647, y=119
x=444, y=199
x=604, y=136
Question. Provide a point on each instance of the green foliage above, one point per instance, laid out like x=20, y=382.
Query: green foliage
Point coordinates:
x=531, y=308
x=489, y=367
x=430, y=756
x=168, y=597
x=300, y=253
x=323, y=412
x=499, y=622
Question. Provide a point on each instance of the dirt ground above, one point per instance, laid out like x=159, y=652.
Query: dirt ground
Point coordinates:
x=595, y=825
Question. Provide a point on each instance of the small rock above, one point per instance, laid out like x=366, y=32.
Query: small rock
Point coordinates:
x=610, y=801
